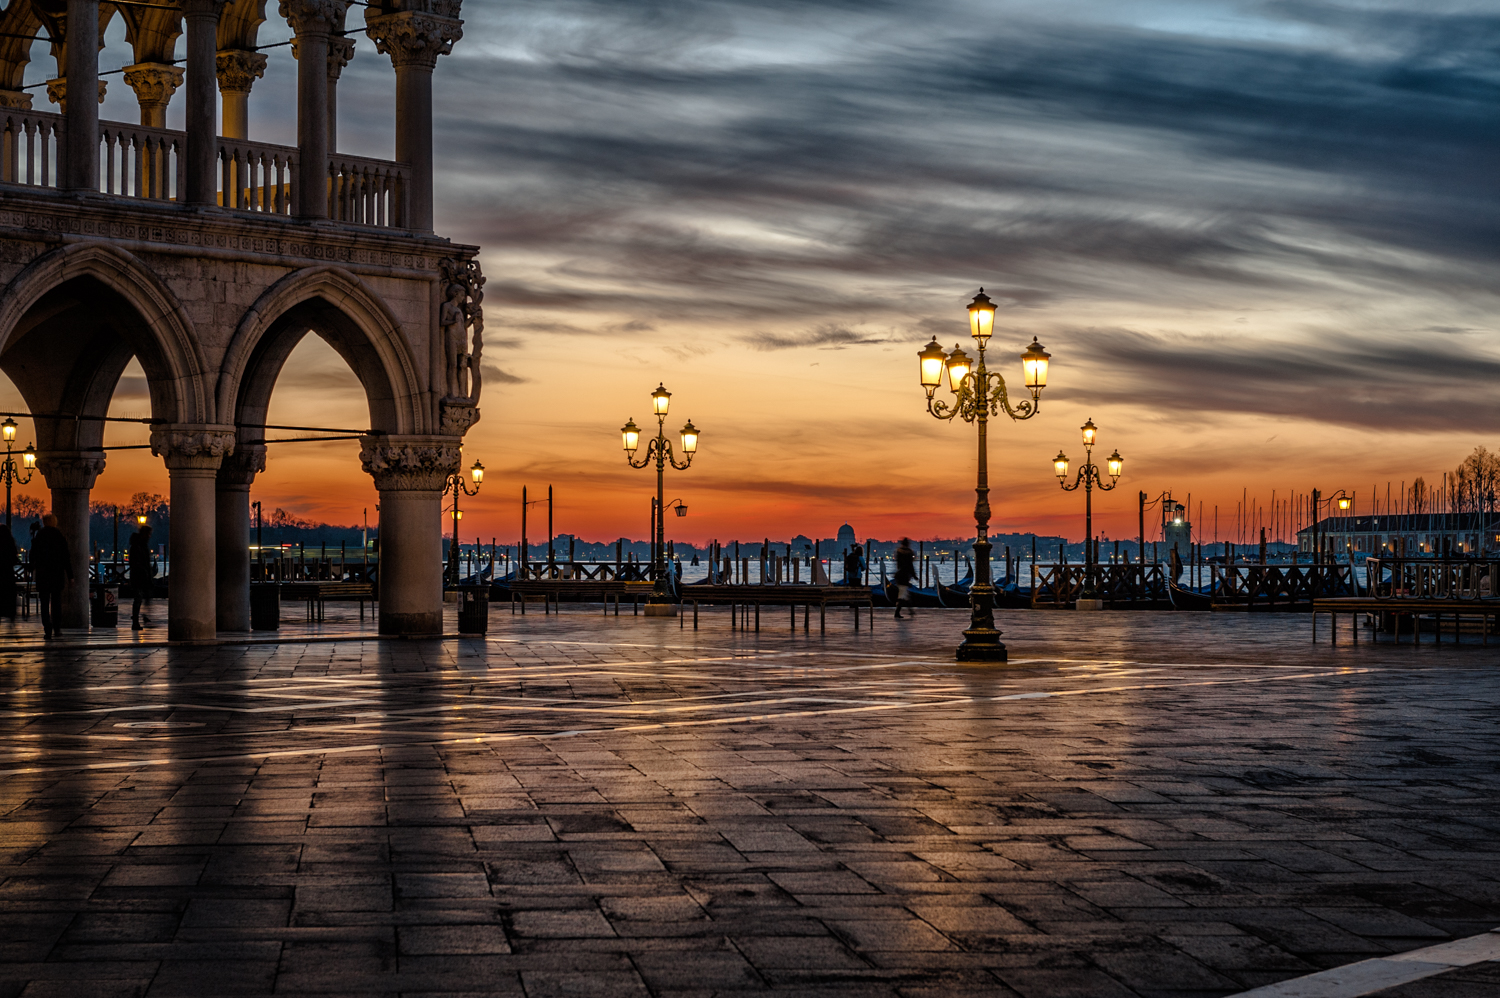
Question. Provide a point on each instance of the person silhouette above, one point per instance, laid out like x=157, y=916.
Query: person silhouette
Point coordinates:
x=51, y=570
x=906, y=573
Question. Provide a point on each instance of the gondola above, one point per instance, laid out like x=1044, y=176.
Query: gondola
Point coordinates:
x=925, y=598
x=1188, y=599
x=956, y=596
x=1012, y=597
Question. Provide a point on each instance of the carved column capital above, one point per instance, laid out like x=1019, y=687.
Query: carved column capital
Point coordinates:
x=18, y=100
x=192, y=447
x=314, y=16
x=240, y=468
x=154, y=84
x=76, y=470
x=57, y=92
x=238, y=70
x=203, y=8
x=410, y=464
x=340, y=51
x=457, y=416
x=415, y=38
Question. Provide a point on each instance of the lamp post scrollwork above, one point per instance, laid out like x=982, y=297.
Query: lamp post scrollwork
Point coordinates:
x=979, y=394
x=8, y=470
x=456, y=486
x=659, y=451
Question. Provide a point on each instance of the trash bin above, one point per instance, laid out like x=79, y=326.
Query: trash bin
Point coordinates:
x=104, y=606
x=474, y=609
x=265, y=606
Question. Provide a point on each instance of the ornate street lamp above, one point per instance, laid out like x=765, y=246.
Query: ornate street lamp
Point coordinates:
x=457, y=486
x=1089, y=476
x=8, y=470
x=980, y=394
x=659, y=450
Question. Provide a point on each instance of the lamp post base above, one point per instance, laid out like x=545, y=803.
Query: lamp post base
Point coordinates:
x=981, y=645
x=660, y=609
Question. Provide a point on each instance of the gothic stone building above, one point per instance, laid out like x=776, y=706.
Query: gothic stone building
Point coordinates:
x=208, y=255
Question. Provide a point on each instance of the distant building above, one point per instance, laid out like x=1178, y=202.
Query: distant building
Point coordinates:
x=1410, y=534
x=846, y=536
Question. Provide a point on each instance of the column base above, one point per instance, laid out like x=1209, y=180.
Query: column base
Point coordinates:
x=981, y=646
x=1088, y=604
x=412, y=625
x=190, y=632
x=661, y=609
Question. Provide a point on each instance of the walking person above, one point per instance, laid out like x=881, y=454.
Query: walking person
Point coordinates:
x=142, y=574
x=51, y=569
x=906, y=573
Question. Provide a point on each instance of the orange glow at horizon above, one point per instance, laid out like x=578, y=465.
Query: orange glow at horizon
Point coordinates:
x=787, y=451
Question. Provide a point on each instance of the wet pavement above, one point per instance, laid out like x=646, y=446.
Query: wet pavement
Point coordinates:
x=1145, y=804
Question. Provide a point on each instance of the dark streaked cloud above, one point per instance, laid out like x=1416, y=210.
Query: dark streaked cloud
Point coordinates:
x=495, y=375
x=1330, y=377
x=831, y=175
x=828, y=337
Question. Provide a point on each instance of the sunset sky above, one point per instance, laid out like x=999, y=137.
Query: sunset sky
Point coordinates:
x=1259, y=239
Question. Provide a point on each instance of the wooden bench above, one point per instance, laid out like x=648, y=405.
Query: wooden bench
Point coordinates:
x=1413, y=609
x=740, y=599
x=551, y=592
x=316, y=594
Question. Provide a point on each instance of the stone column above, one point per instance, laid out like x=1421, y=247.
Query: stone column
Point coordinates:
x=202, y=17
x=313, y=22
x=237, y=70
x=414, y=40
x=232, y=534
x=410, y=473
x=193, y=454
x=70, y=477
x=154, y=84
x=340, y=51
x=81, y=164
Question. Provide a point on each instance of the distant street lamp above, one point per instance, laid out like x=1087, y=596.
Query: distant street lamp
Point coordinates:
x=980, y=394
x=1344, y=500
x=1088, y=477
x=659, y=449
x=8, y=470
x=457, y=486
x=260, y=546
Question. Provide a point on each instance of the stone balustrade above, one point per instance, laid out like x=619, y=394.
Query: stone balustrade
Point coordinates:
x=137, y=161
x=29, y=144
x=140, y=162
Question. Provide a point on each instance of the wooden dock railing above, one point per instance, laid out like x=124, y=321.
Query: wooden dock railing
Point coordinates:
x=1255, y=586
x=1430, y=578
x=1121, y=585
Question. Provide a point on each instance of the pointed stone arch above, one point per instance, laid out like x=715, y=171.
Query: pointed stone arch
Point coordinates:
x=129, y=310
x=339, y=307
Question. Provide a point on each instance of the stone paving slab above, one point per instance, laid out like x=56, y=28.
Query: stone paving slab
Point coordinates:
x=1141, y=804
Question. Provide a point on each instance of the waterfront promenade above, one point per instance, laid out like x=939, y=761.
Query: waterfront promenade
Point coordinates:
x=1142, y=804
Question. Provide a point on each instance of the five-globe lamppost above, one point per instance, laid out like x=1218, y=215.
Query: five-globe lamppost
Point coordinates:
x=981, y=393
x=457, y=486
x=659, y=450
x=8, y=470
x=1090, y=478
